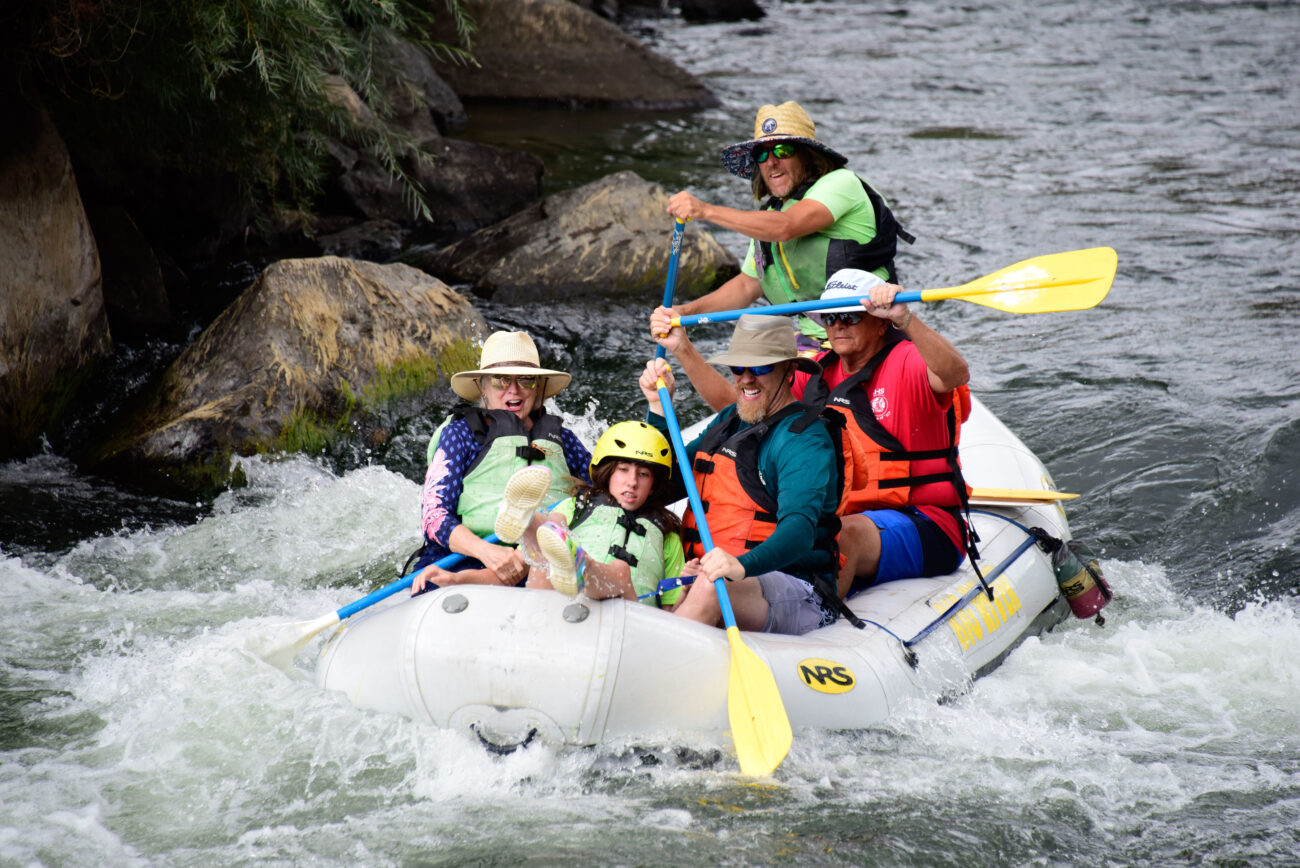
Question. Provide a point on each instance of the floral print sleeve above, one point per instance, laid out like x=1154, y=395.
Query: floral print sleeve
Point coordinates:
x=576, y=455
x=445, y=480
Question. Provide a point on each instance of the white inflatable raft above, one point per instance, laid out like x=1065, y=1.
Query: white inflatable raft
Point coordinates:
x=511, y=664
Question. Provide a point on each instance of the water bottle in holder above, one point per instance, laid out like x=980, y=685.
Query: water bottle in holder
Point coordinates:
x=1078, y=575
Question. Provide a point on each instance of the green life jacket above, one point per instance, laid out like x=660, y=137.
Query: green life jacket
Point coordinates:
x=507, y=447
x=874, y=254
x=609, y=531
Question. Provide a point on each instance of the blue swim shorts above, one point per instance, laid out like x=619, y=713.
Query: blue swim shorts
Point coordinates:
x=911, y=545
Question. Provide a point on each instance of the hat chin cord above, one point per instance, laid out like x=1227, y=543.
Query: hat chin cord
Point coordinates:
x=789, y=368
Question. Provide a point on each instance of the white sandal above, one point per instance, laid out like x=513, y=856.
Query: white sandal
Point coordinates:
x=565, y=571
x=523, y=494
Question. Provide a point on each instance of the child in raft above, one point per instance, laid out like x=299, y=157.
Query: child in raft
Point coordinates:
x=613, y=538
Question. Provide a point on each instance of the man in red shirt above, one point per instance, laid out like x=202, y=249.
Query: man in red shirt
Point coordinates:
x=892, y=378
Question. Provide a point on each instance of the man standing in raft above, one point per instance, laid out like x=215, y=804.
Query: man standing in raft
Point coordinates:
x=765, y=467
x=897, y=388
x=818, y=217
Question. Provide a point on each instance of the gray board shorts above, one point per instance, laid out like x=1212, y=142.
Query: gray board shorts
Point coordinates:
x=794, y=608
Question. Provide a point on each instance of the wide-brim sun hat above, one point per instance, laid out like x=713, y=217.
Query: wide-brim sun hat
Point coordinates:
x=787, y=122
x=764, y=340
x=508, y=354
x=845, y=283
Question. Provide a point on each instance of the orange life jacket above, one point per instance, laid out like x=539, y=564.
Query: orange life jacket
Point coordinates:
x=878, y=471
x=741, y=513
x=961, y=410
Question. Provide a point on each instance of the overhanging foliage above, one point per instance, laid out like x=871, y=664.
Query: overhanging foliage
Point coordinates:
x=242, y=86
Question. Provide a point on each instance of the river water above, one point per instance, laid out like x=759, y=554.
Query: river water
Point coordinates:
x=135, y=729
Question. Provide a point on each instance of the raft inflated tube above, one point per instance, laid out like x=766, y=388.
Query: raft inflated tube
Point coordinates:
x=984, y=585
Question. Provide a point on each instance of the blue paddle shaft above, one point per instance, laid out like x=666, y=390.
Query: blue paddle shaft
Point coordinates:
x=697, y=507
x=790, y=307
x=683, y=464
x=401, y=584
x=670, y=283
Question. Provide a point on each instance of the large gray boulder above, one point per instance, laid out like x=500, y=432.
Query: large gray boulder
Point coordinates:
x=555, y=52
x=135, y=294
x=286, y=367
x=466, y=185
x=421, y=99
x=609, y=238
x=53, y=327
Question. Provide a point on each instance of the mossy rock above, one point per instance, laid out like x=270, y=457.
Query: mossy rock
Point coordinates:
x=309, y=347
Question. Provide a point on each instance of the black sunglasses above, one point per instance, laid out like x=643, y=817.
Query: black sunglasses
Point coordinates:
x=830, y=319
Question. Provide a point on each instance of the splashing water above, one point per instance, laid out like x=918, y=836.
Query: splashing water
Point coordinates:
x=136, y=729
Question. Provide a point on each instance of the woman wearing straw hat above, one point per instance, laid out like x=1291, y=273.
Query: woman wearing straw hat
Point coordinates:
x=481, y=445
x=818, y=217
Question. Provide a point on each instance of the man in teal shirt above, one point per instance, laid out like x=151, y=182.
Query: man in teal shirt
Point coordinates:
x=766, y=468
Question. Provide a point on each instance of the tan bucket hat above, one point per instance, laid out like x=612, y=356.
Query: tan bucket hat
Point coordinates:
x=508, y=353
x=787, y=122
x=764, y=340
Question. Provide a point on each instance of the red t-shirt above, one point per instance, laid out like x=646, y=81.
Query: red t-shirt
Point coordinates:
x=909, y=409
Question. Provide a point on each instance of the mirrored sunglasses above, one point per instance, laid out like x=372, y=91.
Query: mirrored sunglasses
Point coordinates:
x=781, y=150
x=502, y=382
x=756, y=370
x=830, y=319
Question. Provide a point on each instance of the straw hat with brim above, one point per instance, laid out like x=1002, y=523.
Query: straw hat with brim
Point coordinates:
x=787, y=122
x=845, y=283
x=508, y=354
x=764, y=340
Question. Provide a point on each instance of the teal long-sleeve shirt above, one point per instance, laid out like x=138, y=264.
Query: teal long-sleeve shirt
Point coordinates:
x=798, y=471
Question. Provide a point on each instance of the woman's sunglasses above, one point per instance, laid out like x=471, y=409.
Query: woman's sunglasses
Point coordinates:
x=756, y=370
x=830, y=319
x=782, y=151
x=502, y=382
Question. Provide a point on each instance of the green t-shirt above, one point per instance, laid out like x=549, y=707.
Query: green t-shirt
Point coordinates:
x=799, y=270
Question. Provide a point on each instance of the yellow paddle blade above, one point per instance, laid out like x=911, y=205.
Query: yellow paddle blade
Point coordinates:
x=1076, y=280
x=1018, y=495
x=759, y=725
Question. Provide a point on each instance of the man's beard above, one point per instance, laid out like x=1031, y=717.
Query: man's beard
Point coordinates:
x=752, y=413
